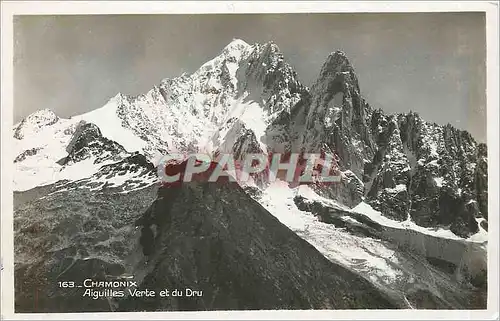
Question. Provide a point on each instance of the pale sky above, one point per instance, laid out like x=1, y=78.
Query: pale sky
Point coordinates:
x=432, y=63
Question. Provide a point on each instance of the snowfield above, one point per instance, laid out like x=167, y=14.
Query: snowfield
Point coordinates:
x=365, y=209
x=365, y=254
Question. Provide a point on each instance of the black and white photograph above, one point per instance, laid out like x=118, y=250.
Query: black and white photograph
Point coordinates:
x=246, y=161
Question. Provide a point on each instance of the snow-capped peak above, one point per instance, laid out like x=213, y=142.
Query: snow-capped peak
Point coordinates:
x=232, y=53
x=236, y=45
x=42, y=117
x=108, y=121
x=180, y=114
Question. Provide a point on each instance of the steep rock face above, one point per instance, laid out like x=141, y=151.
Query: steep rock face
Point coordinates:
x=332, y=118
x=87, y=141
x=388, y=175
x=449, y=172
x=349, y=191
x=270, y=80
x=337, y=115
x=180, y=113
x=423, y=172
x=214, y=238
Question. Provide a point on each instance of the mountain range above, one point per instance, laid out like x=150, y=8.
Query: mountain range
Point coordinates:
x=405, y=228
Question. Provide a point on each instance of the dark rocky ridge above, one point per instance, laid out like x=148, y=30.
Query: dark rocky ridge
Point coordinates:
x=435, y=169
x=338, y=114
x=481, y=179
x=139, y=173
x=88, y=141
x=26, y=153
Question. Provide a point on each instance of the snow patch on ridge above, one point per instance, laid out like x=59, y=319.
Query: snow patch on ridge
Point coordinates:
x=51, y=140
x=399, y=188
x=482, y=235
x=439, y=181
x=367, y=210
x=35, y=123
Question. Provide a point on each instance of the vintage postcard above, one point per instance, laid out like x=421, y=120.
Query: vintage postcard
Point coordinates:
x=249, y=160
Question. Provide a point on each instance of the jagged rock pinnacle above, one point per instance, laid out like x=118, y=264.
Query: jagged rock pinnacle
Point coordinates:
x=34, y=122
x=337, y=62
